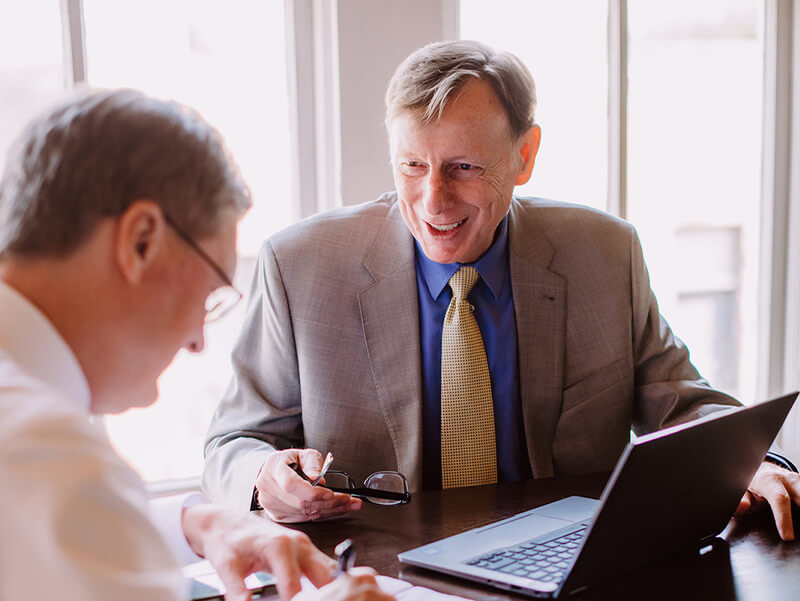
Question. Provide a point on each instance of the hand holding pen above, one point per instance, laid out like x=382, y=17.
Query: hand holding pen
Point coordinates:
x=350, y=584
x=345, y=557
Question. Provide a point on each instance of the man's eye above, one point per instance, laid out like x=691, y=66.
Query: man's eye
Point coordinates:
x=464, y=170
x=412, y=167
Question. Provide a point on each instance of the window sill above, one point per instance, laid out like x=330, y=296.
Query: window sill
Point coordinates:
x=165, y=488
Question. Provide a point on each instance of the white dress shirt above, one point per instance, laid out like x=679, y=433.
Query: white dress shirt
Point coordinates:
x=75, y=523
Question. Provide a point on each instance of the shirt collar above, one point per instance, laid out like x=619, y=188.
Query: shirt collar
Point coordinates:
x=32, y=341
x=492, y=266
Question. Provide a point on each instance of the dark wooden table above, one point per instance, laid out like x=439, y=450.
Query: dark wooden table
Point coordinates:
x=750, y=563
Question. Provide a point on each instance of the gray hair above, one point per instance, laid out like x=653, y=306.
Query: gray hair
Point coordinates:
x=92, y=156
x=428, y=79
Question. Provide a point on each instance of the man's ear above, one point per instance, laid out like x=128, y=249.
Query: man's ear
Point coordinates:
x=529, y=146
x=140, y=235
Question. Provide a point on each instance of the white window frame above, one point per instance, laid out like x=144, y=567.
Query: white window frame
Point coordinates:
x=785, y=323
x=775, y=181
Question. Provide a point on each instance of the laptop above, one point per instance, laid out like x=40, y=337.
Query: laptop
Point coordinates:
x=670, y=490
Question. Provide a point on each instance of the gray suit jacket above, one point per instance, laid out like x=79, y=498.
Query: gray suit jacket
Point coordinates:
x=329, y=357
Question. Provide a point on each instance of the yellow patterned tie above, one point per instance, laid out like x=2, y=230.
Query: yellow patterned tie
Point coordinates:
x=468, y=442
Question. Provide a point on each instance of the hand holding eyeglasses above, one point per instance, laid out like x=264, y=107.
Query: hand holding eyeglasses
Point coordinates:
x=286, y=497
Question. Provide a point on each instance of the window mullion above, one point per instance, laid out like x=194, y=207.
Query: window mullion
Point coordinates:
x=74, y=42
x=776, y=173
x=312, y=42
x=790, y=435
x=617, y=198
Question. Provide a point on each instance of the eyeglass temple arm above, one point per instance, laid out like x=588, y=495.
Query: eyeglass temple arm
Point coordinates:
x=372, y=492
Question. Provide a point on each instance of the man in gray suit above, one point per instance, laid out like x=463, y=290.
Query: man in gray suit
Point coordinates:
x=342, y=347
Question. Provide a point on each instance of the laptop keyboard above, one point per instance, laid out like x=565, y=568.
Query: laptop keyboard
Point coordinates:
x=545, y=561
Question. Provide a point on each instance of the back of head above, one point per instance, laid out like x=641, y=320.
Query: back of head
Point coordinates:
x=430, y=77
x=92, y=156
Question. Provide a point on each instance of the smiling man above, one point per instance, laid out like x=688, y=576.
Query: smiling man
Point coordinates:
x=449, y=330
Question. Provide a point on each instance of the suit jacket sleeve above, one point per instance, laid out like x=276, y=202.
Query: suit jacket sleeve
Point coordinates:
x=260, y=411
x=668, y=389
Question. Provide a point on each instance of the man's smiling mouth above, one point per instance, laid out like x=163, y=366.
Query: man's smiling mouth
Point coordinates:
x=446, y=228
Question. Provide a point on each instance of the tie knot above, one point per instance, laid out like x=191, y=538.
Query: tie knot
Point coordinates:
x=462, y=281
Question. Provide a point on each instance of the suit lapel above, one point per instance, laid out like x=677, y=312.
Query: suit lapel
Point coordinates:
x=540, y=310
x=390, y=316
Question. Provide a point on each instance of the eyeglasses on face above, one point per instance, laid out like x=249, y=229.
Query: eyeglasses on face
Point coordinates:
x=222, y=299
x=381, y=488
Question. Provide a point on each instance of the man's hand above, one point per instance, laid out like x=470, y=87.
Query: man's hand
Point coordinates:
x=286, y=497
x=238, y=544
x=777, y=487
x=357, y=585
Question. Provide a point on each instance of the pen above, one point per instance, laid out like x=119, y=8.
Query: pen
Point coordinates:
x=299, y=471
x=345, y=556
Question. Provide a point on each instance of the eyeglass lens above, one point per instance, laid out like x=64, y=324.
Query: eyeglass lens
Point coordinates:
x=388, y=481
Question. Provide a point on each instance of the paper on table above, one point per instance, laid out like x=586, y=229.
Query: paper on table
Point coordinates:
x=393, y=586
x=204, y=573
x=404, y=591
x=420, y=593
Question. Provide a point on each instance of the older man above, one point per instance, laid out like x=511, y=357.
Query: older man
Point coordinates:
x=450, y=330
x=118, y=222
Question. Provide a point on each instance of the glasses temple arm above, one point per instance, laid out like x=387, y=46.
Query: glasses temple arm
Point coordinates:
x=372, y=492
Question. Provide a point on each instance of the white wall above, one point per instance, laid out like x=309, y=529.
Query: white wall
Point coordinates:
x=374, y=37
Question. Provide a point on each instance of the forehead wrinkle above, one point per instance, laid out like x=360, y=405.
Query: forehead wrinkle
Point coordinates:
x=474, y=127
x=448, y=141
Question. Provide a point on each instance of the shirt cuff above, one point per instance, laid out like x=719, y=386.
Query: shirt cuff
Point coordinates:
x=780, y=460
x=167, y=513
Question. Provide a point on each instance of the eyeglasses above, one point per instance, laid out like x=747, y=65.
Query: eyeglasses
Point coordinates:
x=224, y=298
x=381, y=488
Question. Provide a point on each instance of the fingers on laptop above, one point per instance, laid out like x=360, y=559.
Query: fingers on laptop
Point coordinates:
x=747, y=504
x=780, y=488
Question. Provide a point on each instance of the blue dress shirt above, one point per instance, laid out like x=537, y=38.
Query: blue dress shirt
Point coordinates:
x=494, y=312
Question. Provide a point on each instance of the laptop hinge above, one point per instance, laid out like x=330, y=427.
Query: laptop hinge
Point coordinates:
x=707, y=540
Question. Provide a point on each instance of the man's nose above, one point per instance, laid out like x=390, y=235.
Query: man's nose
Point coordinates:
x=436, y=194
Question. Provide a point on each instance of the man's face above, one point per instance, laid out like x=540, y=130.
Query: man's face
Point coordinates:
x=175, y=315
x=455, y=176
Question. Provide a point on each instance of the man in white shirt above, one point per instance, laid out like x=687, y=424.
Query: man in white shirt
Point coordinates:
x=118, y=218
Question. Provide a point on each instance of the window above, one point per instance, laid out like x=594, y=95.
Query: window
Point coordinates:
x=31, y=64
x=694, y=172
x=567, y=57
x=695, y=89
x=694, y=147
x=230, y=65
